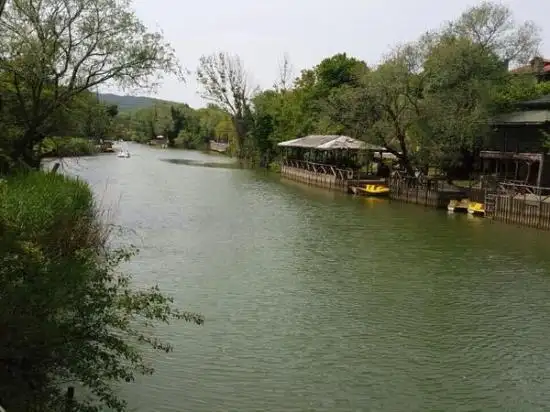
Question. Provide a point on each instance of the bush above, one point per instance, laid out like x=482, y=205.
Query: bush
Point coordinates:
x=67, y=147
x=67, y=314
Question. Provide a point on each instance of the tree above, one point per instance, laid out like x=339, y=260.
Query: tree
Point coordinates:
x=461, y=81
x=336, y=71
x=492, y=26
x=352, y=110
x=395, y=89
x=225, y=82
x=284, y=82
x=177, y=124
x=97, y=118
x=53, y=50
x=516, y=89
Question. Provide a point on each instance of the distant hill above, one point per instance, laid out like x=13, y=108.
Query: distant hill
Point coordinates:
x=127, y=103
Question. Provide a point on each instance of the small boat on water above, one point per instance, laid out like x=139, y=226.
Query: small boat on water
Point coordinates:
x=371, y=190
x=476, y=209
x=458, y=206
x=123, y=154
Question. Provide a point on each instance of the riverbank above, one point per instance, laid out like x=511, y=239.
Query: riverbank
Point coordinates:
x=511, y=203
x=58, y=261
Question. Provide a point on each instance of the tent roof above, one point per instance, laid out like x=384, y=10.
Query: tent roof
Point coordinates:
x=330, y=142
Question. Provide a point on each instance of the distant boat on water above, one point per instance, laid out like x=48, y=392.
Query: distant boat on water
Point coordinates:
x=123, y=152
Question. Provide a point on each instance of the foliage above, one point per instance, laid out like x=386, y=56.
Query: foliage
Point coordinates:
x=67, y=147
x=519, y=88
x=68, y=315
x=492, y=27
x=182, y=125
x=429, y=102
x=458, y=102
x=54, y=50
x=224, y=82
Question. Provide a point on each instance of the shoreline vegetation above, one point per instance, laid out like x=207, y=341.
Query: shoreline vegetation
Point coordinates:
x=430, y=102
x=72, y=318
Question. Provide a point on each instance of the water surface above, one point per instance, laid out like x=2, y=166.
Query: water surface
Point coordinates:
x=317, y=301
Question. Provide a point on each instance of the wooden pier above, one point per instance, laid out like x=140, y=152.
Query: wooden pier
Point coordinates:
x=519, y=204
x=425, y=192
x=317, y=174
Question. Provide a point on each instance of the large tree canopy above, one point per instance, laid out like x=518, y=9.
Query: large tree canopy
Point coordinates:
x=53, y=50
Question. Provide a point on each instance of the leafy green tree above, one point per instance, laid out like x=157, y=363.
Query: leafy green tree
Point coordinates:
x=462, y=78
x=224, y=82
x=492, y=27
x=336, y=71
x=395, y=94
x=69, y=47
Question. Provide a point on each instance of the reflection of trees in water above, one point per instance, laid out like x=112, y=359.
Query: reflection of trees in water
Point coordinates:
x=189, y=162
x=374, y=201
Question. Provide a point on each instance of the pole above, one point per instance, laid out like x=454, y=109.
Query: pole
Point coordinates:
x=2, y=6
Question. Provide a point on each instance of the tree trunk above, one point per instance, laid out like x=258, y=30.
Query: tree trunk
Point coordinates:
x=24, y=153
x=240, y=130
x=406, y=162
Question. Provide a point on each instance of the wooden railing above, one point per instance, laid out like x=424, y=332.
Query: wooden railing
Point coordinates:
x=515, y=189
x=435, y=184
x=519, y=203
x=341, y=174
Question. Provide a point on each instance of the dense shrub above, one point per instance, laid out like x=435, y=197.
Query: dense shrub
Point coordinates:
x=67, y=315
x=67, y=147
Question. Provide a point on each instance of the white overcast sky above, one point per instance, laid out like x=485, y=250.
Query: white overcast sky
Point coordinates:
x=262, y=31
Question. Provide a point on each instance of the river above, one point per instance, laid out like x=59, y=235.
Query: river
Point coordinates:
x=318, y=301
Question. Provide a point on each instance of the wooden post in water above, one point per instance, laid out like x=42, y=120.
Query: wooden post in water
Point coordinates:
x=70, y=399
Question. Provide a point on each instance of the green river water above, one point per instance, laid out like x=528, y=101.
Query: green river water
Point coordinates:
x=317, y=301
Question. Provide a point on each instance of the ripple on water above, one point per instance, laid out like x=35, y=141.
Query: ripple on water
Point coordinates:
x=324, y=302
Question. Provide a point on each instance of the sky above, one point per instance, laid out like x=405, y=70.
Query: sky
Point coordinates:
x=261, y=32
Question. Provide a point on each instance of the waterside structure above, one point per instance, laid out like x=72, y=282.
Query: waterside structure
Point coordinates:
x=330, y=161
x=513, y=184
x=218, y=146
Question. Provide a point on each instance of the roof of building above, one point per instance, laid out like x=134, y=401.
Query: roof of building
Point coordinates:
x=532, y=66
x=541, y=102
x=330, y=142
x=526, y=117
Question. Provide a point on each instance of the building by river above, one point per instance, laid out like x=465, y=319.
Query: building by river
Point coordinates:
x=331, y=161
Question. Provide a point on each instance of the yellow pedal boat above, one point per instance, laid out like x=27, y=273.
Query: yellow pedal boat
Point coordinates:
x=371, y=190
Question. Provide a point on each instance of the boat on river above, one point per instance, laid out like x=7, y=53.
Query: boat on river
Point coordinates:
x=123, y=154
x=371, y=190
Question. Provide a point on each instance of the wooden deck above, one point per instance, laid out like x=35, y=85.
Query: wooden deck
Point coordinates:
x=519, y=204
x=316, y=174
x=326, y=176
x=430, y=193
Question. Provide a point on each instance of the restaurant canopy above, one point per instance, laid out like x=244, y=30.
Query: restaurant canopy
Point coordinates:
x=331, y=142
x=522, y=118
